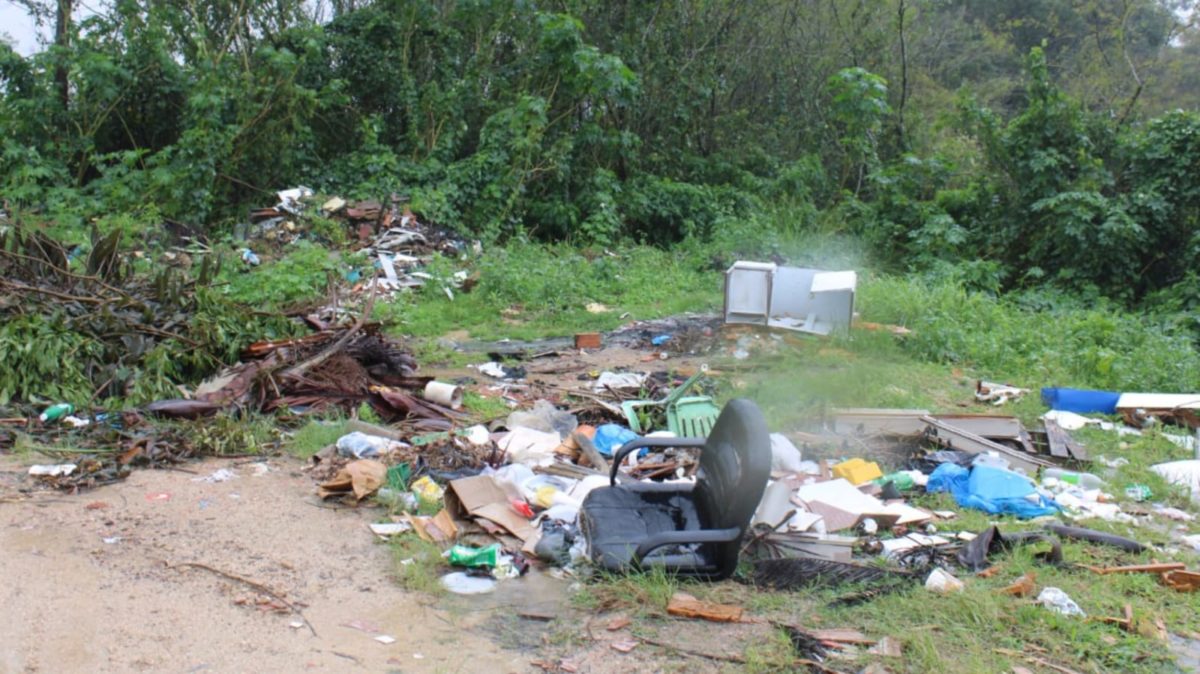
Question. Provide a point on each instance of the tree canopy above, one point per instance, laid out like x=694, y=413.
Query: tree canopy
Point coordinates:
x=1032, y=141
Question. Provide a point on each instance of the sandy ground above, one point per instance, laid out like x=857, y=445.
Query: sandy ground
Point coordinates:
x=98, y=582
x=97, y=588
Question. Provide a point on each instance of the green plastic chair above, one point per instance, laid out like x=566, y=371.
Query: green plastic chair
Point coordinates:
x=687, y=417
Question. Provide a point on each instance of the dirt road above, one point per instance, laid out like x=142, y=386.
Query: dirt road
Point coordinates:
x=94, y=583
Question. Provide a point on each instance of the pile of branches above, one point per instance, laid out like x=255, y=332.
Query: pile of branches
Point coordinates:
x=84, y=331
x=334, y=367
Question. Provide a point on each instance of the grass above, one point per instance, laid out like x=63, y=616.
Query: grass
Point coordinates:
x=1047, y=344
x=424, y=572
x=526, y=291
x=225, y=434
x=968, y=632
x=301, y=272
x=798, y=379
x=315, y=435
x=485, y=408
x=642, y=595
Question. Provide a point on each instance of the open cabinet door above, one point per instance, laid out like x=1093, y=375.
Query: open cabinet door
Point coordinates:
x=748, y=292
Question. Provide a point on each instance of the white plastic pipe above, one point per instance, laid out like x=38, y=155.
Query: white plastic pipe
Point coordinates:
x=444, y=394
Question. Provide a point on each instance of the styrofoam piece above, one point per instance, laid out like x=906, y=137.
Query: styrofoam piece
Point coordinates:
x=1159, y=401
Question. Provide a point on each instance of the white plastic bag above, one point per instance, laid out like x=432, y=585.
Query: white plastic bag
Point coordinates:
x=1056, y=600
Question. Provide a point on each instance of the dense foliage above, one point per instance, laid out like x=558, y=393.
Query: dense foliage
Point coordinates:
x=1025, y=143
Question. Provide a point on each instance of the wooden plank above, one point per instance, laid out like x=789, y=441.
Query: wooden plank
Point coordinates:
x=1062, y=444
x=866, y=421
x=843, y=635
x=951, y=437
x=588, y=448
x=1139, y=568
x=985, y=425
x=1058, y=439
x=1026, y=441
x=1184, y=581
x=686, y=606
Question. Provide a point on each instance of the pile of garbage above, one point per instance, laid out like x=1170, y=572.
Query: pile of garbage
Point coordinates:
x=507, y=495
x=504, y=496
x=399, y=245
x=335, y=367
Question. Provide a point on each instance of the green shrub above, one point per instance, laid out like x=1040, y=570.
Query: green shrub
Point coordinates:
x=1098, y=347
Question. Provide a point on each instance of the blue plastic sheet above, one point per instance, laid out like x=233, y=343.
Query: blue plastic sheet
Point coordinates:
x=993, y=490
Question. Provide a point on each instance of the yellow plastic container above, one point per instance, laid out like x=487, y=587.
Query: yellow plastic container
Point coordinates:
x=857, y=471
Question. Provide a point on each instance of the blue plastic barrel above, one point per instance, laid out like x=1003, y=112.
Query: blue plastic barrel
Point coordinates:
x=1081, y=401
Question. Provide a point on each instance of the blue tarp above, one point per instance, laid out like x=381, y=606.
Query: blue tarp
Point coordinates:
x=993, y=490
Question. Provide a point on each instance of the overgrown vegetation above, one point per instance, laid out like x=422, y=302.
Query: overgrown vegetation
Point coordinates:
x=1036, y=145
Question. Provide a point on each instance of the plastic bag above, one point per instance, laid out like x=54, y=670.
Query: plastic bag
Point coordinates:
x=785, y=458
x=1056, y=600
x=1186, y=473
x=427, y=489
x=610, y=437
x=463, y=555
x=942, y=582
x=461, y=583
x=544, y=417
x=359, y=445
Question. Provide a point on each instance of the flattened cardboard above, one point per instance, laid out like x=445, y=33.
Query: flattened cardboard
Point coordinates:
x=362, y=477
x=481, y=497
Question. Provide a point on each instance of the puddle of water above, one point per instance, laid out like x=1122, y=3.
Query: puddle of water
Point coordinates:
x=1187, y=653
x=519, y=612
x=535, y=592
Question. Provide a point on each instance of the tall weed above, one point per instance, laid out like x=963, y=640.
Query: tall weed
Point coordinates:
x=1069, y=346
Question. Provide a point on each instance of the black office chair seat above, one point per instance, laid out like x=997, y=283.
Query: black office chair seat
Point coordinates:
x=692, y=529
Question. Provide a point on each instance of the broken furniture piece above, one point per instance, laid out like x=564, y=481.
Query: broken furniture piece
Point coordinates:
x=688, y=417
x=806, y=300
x=692, y=529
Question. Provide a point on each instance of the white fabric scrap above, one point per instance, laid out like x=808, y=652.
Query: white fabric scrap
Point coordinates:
x=619, y=380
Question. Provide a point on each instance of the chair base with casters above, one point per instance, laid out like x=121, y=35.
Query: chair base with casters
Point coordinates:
x=692, y=529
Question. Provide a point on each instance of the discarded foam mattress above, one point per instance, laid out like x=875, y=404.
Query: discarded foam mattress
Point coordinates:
x=806, y=300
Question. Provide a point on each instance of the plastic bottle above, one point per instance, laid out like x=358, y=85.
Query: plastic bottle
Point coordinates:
x=462, y=555
x=1085, y=480
x=56, y=412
